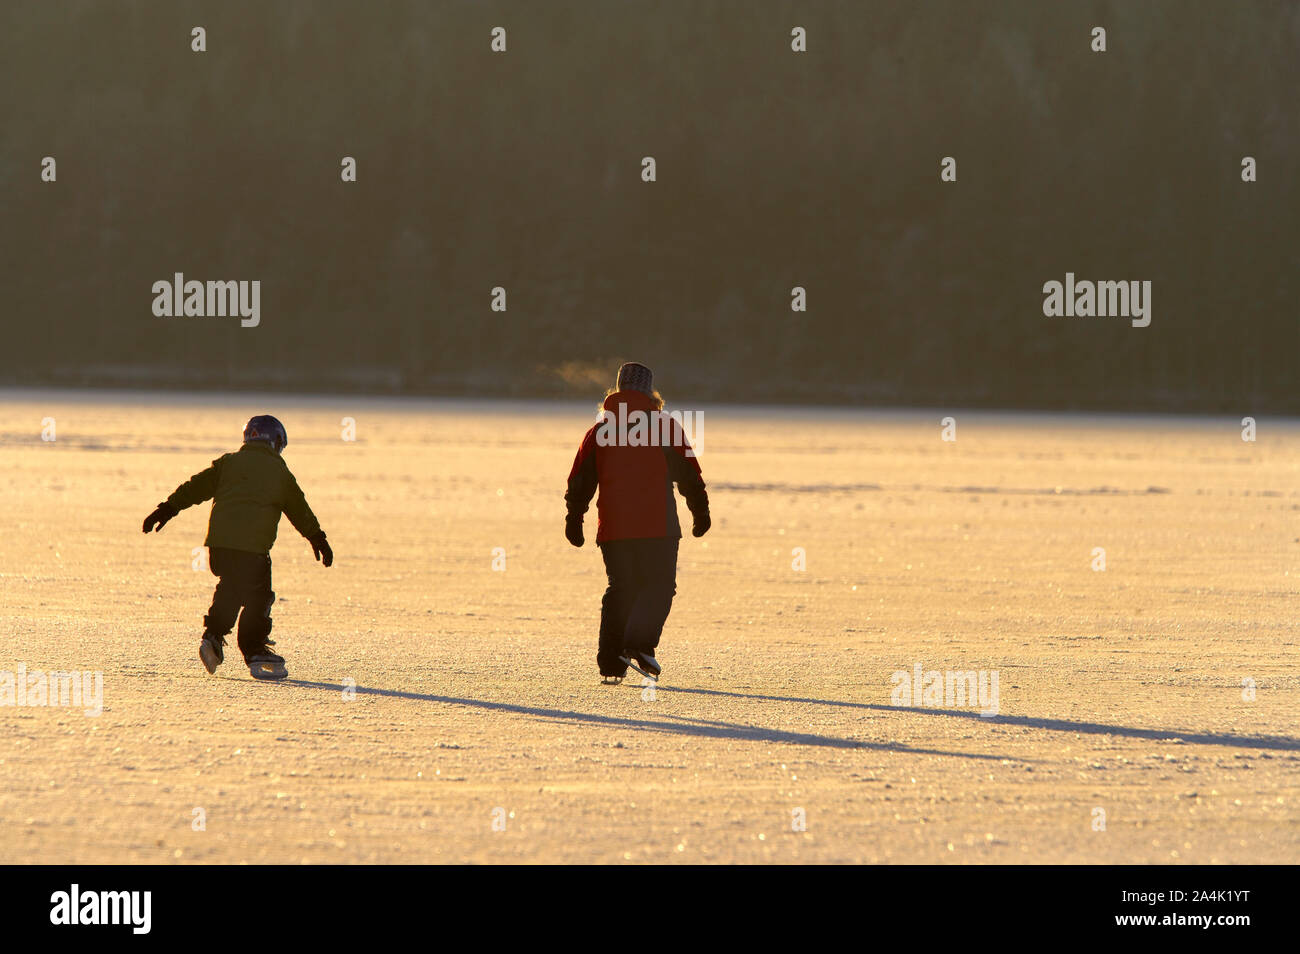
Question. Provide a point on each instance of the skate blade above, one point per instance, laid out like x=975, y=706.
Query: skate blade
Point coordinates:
x=268, y=672
x=633, y=665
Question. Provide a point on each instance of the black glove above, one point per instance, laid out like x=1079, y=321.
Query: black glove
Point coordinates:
x=162, y=513
x=573, y=529
x=321, y=548
x=702, y=524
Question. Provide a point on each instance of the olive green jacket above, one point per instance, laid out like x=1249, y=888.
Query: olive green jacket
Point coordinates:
x=249, y=490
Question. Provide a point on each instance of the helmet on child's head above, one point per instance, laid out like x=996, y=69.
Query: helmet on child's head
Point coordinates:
x=264, y=427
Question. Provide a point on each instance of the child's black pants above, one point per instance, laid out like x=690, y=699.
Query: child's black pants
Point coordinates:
x=243, y=583
x=642, y=582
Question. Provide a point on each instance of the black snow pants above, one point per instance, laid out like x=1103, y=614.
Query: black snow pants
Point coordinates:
x=642, y=582
x=243, y=583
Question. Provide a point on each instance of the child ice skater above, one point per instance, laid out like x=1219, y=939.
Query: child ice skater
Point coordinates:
x=249, y=489
x=637, y=529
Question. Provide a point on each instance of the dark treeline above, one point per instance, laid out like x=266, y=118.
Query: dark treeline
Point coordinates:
x=775, y=169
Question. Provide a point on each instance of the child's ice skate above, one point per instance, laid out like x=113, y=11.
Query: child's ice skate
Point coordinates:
x=210, y=652
x=265, y=664
x=643, y=662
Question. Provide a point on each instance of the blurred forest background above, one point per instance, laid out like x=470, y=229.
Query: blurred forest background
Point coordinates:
x=775, y=169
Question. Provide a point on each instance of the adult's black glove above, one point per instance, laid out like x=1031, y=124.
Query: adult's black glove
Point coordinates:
x=573, y=529
x=321, y=548
x=162, y=513
x=702, y=524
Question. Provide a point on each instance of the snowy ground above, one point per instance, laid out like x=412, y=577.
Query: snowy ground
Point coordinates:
x=1120, y=692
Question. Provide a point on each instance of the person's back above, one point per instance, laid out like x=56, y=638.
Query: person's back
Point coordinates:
x=249, y=490
x=635, y=476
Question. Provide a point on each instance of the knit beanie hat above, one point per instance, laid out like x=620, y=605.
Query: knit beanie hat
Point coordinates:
x=636, y=377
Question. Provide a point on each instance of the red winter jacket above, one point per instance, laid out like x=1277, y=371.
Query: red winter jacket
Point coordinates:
x=636, y=482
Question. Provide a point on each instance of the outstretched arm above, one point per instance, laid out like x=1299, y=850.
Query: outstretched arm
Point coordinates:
x=304, y=521
x=202, y=486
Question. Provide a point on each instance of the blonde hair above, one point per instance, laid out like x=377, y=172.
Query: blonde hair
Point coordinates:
x=656, y=397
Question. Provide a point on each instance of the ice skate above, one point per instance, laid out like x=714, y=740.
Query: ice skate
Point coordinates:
x=611, y=680
x=267, y=665
x=210, y=652
x=642, y=662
